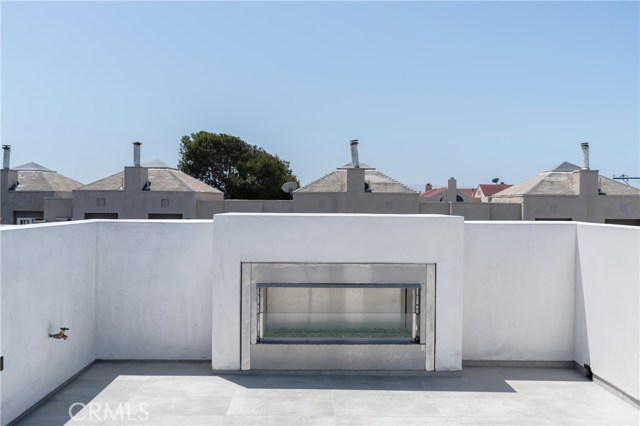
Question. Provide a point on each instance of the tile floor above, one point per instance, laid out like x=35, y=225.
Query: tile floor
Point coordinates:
x=186, y=393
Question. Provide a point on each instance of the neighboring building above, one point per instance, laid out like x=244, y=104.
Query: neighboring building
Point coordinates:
x=33, y=193
x=149, y=191
x=451, y=191
x=569, y=192
x=355, y=188
x=156, y=190
x=436, y=201
x=485, y=191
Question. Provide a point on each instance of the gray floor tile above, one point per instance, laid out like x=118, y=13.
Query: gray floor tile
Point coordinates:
x=285, y=406
x=166, y=393
x=390, y=406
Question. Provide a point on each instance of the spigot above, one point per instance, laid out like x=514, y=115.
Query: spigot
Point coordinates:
x=60, y=334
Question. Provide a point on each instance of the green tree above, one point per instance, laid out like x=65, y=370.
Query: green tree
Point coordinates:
x=240, y=170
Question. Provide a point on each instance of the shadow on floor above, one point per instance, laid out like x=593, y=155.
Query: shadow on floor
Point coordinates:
x=54, y=409
x=469, y=380
x=101, y=374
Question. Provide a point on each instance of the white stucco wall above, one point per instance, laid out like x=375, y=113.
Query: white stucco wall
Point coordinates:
x=339, y=238
x=518, y=291
x=48, y=282
x=126, y=290
x=164, y=289
x=154, y=289
x=608, y=303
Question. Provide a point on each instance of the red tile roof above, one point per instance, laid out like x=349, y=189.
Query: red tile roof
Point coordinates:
x=488, y=189
x=433, y=192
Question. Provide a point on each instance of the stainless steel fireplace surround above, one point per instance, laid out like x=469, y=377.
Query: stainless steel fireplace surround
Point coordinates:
x=338, y=316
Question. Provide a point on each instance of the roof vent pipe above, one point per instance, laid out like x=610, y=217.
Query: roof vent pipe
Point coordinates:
x=136, y=154
x=585, y=155
x=354, y=153
x=6, y=150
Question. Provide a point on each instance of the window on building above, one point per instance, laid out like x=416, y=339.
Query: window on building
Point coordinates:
x=628, y=222
x=165, y=216
x=27, y=217
x=101, y=215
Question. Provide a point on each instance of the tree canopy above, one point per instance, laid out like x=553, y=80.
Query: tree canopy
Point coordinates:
x=240, y=170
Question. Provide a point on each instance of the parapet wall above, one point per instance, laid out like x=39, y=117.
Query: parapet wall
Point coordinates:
x=153, y=282
x=47, y=281
x=143, y=290
x=607, y=300
x=519, y=291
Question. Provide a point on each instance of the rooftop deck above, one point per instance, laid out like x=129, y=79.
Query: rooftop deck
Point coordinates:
x=186, y=393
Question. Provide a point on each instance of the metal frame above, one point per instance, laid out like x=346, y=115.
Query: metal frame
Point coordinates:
x=371, y=354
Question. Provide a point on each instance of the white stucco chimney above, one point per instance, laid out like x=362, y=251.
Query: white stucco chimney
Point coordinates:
x=585, y=155
x=6, y=157
x=354, y=153
x=136, y=154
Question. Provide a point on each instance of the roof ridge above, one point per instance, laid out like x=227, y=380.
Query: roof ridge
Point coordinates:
x=540, y=181
x=320, y=178
x=184, y=179
x=105, y=178
x=179, y=178
x=619, y=184
x=33, y=167
x=43, y=180
x=390, y=178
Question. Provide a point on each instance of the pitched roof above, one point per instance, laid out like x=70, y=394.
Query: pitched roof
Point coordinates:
x=432, y=193
x=337, y=182
x=545, y=183
x=565, y=167
x=175, y=180
x=489, y=189
x=160, y=179
x=44, y=181
x=563, y=183
x=33, y=167
x=111, y=183
x=613, y=187
x=156, y=164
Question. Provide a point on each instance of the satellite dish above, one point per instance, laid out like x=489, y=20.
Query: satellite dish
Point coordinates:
x=289, y=187
x=495, y=180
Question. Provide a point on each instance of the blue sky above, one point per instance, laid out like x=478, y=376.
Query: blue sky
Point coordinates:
x=474, y=90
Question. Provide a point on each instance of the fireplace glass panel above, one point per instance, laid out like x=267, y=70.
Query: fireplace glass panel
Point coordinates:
x=338, y=313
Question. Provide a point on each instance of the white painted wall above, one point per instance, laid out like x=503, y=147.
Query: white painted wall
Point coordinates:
x=154, y=289
x=518, y=291
x=339, y=238
x=147, y=289
x=48, y=282
x=608, y=303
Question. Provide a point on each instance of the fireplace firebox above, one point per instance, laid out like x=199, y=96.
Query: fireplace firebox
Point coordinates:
x=338, y=313
x=338, y=316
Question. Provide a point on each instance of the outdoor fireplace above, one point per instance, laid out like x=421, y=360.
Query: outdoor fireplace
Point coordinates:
x=338, y=316
x=338, y=313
